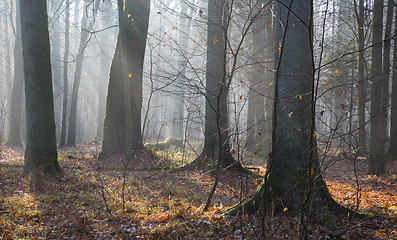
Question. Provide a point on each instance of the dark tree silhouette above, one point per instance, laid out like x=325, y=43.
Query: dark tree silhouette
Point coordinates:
x=41, y=150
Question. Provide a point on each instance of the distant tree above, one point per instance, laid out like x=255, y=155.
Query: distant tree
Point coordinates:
x=216, y=129
x=41, y=150
x=362, y=82
x=14, y=133
x=256, y=99
x=65, y=75
x=122, y=125
x=393, y=121
x=293, y=179
x=85, y=26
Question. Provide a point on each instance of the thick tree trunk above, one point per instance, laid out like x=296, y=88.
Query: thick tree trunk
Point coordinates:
x=293, y=180
x=114, y=123
x=65, y=75
x=376, y=161
x=122, y=126
x=14, y=134
x=41, y=150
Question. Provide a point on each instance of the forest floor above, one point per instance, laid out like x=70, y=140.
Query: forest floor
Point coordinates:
x=147, y=201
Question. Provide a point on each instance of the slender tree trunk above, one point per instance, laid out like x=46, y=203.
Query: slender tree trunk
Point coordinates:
x=216, y=107
x=376, y=160
x=65, y=75
x=71, y=139
x=362, y=81
x=7, y=44
x=14, y=134
x=184, y=34
x=41, y=150
x=384, y=108
x=393, y=127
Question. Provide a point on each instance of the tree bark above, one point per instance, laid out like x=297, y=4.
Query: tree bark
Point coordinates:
x=41, y=150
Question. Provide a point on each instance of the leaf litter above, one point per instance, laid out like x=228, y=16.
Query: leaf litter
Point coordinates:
x=89, y=201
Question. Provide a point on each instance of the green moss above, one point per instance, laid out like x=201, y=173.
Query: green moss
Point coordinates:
x=167, y=143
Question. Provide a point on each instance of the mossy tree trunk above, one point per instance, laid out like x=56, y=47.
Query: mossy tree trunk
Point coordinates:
x=122, y=125
x=41, y=150
x=293, y=180
x=14, y=134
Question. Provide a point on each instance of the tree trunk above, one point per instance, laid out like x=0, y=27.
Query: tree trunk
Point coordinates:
x=393, y=127
x=65, y=75
x=14, y=134
x=384, y=108
x=362, y=80
x=122, y=126
x=269, y=78
x=256, y=99
x=376, y=160
x=41, y=150
x=184, y=34
x=216, y=107
x=293, y=178
x=71, y=139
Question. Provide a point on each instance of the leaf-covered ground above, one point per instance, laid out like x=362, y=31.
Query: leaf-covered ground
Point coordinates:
x=145, y=201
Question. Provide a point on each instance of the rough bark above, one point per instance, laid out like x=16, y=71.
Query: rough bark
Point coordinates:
x=293, y=180
x=14, y=134
x=376, y=159
x=41, y=150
